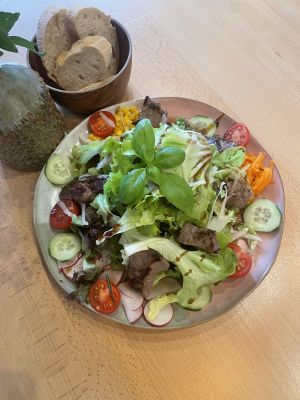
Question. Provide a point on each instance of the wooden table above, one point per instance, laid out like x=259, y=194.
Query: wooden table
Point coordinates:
x=240, y=56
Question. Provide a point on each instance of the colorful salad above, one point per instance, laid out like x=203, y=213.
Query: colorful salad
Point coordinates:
x=152, y=213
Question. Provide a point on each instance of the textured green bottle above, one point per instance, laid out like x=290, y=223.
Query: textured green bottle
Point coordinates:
x=30, y=125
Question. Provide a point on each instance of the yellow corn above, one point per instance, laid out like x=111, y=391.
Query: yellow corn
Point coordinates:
x=125, y=117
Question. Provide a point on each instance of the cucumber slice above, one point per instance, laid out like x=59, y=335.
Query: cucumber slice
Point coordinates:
x=201, y=301
x=205, y=125
x=263, y=215
x=64, y=246
x=58, y=169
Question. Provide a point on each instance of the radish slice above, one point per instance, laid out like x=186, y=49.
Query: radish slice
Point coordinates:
x=130, y=302
x=114, y=276
x=163, y=318
x=130, y=292
x=165, y=286
x=70, y=270
x=133, y=315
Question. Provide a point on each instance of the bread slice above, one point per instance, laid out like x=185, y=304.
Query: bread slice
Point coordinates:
x=53, y=37
x=88, y=61
x=91, y=21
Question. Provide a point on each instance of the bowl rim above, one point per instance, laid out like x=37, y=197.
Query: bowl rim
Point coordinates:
x=129, y=56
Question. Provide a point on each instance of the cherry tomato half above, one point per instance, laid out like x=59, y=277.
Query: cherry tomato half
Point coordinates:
x=239, y=134
x=244, y=261
x=101, y=299
x=102, y=123
x=60, y=220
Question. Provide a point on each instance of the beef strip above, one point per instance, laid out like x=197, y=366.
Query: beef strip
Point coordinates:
x=153, y=111
x=239, y=194
x=200, y=238
x=83, y=190
x=221, y=143
x=143, y=268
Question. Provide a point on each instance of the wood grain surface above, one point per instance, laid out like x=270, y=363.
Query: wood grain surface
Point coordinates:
x=242, y=56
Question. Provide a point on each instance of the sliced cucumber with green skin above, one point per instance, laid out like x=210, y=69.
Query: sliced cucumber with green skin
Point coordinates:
x=204, y=298
x=58, y=169
x=263, y=215
x=64, y=246
x=205, y=125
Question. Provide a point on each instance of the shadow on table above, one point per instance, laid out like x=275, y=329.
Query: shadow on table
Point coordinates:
x=16, y=385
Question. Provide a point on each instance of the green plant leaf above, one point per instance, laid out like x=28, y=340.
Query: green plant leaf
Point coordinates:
x=143, y=141
x=6, y=43
x=153, y=173
x=19, y=41
x=132, y=186
x=7, y=20
x=169, y=157
x=176, y=191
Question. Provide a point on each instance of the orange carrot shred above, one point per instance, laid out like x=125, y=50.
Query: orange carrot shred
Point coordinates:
x=258, y=176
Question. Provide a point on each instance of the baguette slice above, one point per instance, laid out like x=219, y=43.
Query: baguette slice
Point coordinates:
x=53, y=37
x=87, y=62
x=91, y=21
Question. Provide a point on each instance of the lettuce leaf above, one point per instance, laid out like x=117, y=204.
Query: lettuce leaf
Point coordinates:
x=82, y=154
x=203, y=199
x=197, y=268
x=146, y=213
x=158, y=303
x=231, y=157
x=197, y=156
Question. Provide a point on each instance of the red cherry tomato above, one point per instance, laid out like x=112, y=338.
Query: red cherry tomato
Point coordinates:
x=102, y=123
x=239, y=134
x=101, y=299
x=60, y=220
x=244, y=261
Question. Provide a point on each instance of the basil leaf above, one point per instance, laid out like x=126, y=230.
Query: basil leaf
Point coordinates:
x=169, y=157
x=7, y=20
x=176, y=191
x=132, y=186
x=6, y=43
x=19, y=41
x=143, y=141
x=153, y=173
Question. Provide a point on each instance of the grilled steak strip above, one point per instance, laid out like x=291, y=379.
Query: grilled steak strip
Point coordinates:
x=200, y=238
x=143, y=268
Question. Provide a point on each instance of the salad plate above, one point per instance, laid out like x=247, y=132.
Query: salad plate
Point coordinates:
x=226, y=294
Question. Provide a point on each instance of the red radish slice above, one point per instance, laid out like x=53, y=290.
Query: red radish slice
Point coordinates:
x=133, y=315
x=129, y=291
x=165, y=286
x=69, y=271
x=114, y=276
x=69, y=263
x=131, y=303
x=163, y=318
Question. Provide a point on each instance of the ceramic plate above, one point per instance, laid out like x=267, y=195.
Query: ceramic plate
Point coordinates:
x=225, y=295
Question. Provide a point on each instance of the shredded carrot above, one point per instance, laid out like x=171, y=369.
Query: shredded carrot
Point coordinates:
x=258, y=176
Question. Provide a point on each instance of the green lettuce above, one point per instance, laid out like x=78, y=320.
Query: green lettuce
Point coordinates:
x=203, y=199
x=146, y=213
x=197, y=157
x=101, y=204
x=231, y=157
x=158, y=303
x=82, y=154
x=197, y=268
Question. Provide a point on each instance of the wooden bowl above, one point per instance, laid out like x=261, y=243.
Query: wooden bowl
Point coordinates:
x=89, y=101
